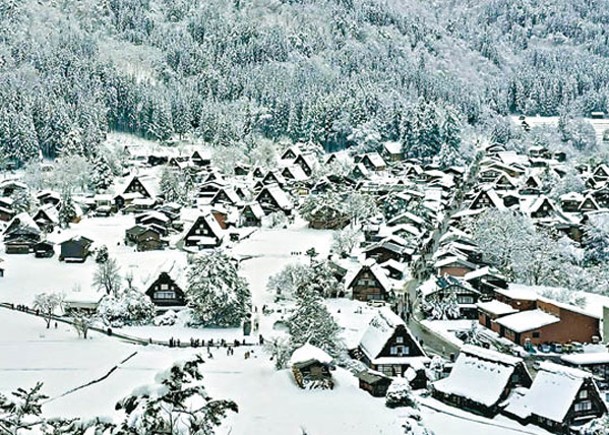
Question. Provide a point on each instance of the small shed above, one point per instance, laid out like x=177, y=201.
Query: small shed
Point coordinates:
x=311, y=367
x=374, y=382
x=76, y=249
x=44, y=249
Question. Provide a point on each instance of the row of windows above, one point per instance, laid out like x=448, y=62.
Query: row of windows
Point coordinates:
x=399, y=350
x=165, y=295
x=586, y=405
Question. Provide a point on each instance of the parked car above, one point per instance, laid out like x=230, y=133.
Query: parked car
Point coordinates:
x=557, y=348
x=377, y=304
x=545, y=348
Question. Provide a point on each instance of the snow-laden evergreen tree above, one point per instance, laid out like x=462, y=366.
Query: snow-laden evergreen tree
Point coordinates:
x=177, y=403
x=596, y=240
x=67, y=210
x=22, y=200
x=170, y=186
x=295, y=277
x=216, y=293
x=21, y=411
x=312, y=323
x=400, y=394
x=102, y=175
x=102, y=255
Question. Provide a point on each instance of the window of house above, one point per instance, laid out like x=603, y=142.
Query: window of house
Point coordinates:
x=465, y=299
x=586, y=405
x=165, y=295
x=164, y=286
x=583, y=394
x=393, y=350
x=399, y=339
x=536, y=334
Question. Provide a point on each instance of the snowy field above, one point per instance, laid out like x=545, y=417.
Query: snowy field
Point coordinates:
x=269, y=401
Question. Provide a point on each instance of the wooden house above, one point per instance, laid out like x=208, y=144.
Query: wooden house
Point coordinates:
x=465, y=296
x=165, y=292
x=226, y=195
x=374, y=382
x=138, y=185
x=596, y=363
x=205, y=232
x=251, y=215
x=10, y=187
x=559, y=400
x=307, y=162
x=389, y=347
x=327, y=217
x=486, y=280
x=481, y=380
x=144, y=238
x=373, y=162
x=571, y=202
x=51, y=197
x=454, y=266
x=549, y=322
x=272, y=198
x=47, y=218
x=290, y=153
x=274, y=177
x=6, y=209
x=370, y=283
x=311, y=368
x=392, y=151
x=486, y=198
x=21, y=234
x=200, y=158
x=75, y=250
x=44, y=249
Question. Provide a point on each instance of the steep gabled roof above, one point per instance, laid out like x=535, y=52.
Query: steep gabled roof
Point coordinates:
x=552, y=393
x=380, y=329
x=480, y=375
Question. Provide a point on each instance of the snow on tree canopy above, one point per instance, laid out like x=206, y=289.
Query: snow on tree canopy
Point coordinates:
x=309, y=352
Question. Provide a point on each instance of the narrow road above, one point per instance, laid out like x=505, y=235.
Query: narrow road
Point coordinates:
x=432, y=342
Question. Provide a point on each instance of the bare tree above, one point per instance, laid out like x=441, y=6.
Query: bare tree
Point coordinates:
x=107, y=277
x=81, y=322
x=48, y=303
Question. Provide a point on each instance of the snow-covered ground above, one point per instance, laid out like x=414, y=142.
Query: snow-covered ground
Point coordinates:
x=269, y=401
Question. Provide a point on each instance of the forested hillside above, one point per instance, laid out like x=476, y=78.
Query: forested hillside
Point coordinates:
x=339, y=72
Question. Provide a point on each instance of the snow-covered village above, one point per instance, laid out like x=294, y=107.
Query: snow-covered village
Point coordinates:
x=304, y=217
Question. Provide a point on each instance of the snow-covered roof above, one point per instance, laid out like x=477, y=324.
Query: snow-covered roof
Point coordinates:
x=377, y=271
x=393, y=147
x=497, y=308
x=454, y=259
x=309, y=352
x=24, y=220
x=486, y=270
x=296, y=172
x=481, y=375
x=518, y=291
x=278, y=194
x=589, y=358
x=527, y=320
x=380, y=329
x=376, y=159
x=552, y=393
x=256, y=209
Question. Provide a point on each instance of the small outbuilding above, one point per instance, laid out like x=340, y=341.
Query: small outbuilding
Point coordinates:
x=311, y=368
